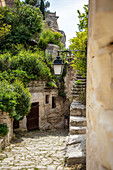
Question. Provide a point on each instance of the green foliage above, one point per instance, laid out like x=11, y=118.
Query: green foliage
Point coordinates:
x=23, y=99
x=7, y=97
x=51, y=84
x=12, y=75
x=26, y=65
x=49, y=37
x=3, y=130
x=80, y=42
x=25, y=21
x=4, y=27
x=83, y=18
x=14, y=99
x=42, y=4
x=78, y=82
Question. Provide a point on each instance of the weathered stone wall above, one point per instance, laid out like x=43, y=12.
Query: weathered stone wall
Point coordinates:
x=51, y=20
x=100, y=86
x=52, y=50
x=69, y=80
x=49, y=118
x=5, y=119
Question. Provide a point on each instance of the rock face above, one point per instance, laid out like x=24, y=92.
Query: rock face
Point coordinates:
x=100, y=86
x=51, y=20
x=76, y=145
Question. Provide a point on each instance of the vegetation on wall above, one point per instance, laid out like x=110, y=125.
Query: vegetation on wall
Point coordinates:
x=80, y=42
x=23, y=40
x=3, y=130
x=49, y=37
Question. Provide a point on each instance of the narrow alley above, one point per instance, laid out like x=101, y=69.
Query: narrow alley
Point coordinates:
x=35, y=150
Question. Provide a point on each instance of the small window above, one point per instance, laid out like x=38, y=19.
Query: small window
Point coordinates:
x=53, y=102
x=47, y=99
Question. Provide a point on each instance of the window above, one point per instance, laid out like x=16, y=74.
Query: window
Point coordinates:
x=53, y=102
x=47, y=99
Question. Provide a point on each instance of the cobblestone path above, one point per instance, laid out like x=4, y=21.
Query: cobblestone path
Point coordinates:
x=35, y=150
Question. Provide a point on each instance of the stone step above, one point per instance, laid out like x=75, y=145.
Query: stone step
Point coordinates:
x=80, y=77
x=76, y=150
x=75, y=92
x=78, y=89
x=80, y=83
x=77, y=109
x=79, y=86
x=74, y=139
x=77, y=121
x=81, y=80
x=77, y=130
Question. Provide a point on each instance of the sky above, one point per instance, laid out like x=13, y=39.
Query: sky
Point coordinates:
x=68, y=17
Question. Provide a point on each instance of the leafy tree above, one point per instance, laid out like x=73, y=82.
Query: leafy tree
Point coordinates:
x=25, y=21
x=4, y=28
x=42, y=4
x=80, y=42
x=14, y=99
x=48, y=36
x=83, y=18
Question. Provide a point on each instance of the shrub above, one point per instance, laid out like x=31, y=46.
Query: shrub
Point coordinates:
x=23, y=100
x=31, y=65
x=3, y=129
x=49, y=37
x=14, y=99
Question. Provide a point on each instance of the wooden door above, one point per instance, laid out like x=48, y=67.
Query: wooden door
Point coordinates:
x=33, y=117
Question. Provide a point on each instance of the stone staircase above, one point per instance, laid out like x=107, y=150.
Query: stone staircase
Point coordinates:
x=78, y=86
x=76, y=141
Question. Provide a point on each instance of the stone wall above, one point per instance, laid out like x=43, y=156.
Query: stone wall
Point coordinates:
x=51, y=20
x=49, y=118
x=69, y=80
x=5, y=119
x=100, y=86
x=52, y=50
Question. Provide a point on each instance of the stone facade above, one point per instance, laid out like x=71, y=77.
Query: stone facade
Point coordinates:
x=49, y=118
x=52, y=50
x=5, y=119
x=69, y=80
x=51, y=20
x=100, y=86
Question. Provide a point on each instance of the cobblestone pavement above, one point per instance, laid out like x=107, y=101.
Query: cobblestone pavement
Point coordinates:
x=35, y=150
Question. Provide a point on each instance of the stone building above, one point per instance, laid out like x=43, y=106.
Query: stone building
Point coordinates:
x=51, y=108
x=51, y=20
x=100, y=86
